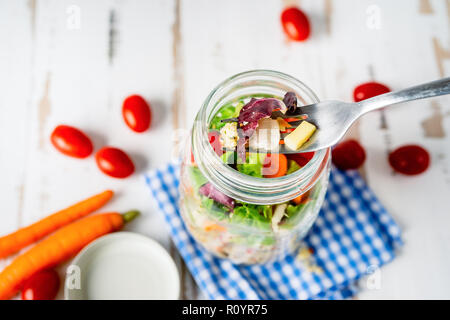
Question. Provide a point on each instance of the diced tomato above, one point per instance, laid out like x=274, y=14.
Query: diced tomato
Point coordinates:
x=214, y=140
x=301, y=158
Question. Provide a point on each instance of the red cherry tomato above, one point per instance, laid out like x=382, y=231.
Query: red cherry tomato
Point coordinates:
x=295, y=24
x=301, y=158
x=136, y=113
x=348, y=155
x=114, y=162
x=71, y=141
x=368, y=90
x=409, y=159
x=214, y=140
x=43, y=285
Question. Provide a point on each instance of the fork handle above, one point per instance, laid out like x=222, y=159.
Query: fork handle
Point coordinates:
x=427, y=90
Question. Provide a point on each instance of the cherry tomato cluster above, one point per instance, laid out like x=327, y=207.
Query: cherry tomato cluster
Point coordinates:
x=112, y=161
x=408, y=159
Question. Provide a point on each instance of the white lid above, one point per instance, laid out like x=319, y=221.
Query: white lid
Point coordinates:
x=122, y=266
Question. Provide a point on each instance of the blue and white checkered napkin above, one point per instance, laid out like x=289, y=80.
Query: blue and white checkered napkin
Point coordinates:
x=352, y=236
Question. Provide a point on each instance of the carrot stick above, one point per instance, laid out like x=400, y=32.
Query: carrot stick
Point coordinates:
x=214, y=227
x=59, y=247
x=15, y=241
x=288, y=130
x=298, y=200
x=272, y=162
x=294, y=119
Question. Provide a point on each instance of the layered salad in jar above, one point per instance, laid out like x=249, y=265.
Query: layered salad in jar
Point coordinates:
x=247, y=135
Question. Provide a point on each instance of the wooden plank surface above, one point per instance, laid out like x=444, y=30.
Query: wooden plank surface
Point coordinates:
x=74, y=61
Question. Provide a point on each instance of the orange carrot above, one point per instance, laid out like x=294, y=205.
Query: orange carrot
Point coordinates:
x=288, y=130
x=59, y=247
x=304, y=198
x=15, y=241
x=298, y=200
x=214, y=227
x=295, y=119
x=283, y=124
x=275, y=165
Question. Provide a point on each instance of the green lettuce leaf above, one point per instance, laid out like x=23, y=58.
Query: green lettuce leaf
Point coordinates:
x=253, y=215
x=293, y=214
x=226, y=112
x=196, y=177
x=253, y=165
x=214, y=208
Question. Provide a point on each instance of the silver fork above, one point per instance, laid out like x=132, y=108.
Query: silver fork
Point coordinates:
x=333, y=118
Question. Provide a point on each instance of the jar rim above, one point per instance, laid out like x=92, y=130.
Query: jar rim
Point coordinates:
x=237, y=184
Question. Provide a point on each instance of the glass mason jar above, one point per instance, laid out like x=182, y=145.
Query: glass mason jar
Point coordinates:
x=251, y=237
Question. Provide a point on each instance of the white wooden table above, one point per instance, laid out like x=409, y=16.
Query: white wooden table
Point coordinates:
x=74, y=62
